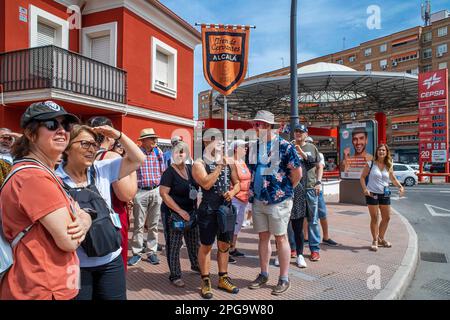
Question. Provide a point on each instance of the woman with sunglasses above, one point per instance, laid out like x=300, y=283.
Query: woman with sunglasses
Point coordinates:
x=45, y=266
x=124, y=189
x=178, y=191
x=102, y=275
x=379, y=173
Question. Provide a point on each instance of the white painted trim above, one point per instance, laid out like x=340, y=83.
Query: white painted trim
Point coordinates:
x=47, y=94
x=158, y=45
x=38, y=15
x=97, y=31
x=149, y=13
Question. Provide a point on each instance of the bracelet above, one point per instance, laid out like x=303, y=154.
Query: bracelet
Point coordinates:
x=120, y=136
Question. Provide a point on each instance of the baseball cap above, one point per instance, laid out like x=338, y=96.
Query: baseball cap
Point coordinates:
x=301, y=127
x=45, y=111
x=175, y=140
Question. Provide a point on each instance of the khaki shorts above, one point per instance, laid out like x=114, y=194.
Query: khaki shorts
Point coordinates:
x=272, y=217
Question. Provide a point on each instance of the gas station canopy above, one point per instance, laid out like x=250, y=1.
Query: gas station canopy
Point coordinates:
x=327, y=92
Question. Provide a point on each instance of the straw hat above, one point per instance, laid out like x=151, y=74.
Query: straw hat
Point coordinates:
x=148, y=133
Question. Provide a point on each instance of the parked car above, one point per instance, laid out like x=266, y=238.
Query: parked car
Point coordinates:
x=416, y=167
x=405, y=174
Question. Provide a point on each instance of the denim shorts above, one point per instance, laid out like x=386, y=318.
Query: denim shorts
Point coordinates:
x=378, y=199
x=208, y=227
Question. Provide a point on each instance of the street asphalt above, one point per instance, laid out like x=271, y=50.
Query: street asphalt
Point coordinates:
x=427, y=208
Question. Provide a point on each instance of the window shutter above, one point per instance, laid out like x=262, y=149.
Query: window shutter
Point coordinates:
x=162, y=69
x=46, y=35
x=100, y=49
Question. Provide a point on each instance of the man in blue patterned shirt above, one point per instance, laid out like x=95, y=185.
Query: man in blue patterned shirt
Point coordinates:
x=276, y=171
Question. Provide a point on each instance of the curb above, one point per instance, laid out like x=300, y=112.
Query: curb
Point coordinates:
x=398, y=284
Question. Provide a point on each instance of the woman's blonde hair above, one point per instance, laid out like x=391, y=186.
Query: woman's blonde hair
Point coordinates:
x=181, y=146
x=388, y=159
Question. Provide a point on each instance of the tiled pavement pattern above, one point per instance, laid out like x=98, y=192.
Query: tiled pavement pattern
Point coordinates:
x=340, y=274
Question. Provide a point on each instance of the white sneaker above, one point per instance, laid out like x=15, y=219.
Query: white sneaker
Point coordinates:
x=301, y=263
x=276, y=262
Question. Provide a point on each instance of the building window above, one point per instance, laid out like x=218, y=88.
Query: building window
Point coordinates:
x=100, y=43
x=164, y=68
x=428, y=68
x=427, y=36
x=442, y=65
x=442, y=31
x=367, y=52
x=415, y=71
x=383, y=47
x=352, y=58
x=340, y=61
x=441, y=50
x=383, y=64
x=47, y=29
x=427, y=53
x=368, y=67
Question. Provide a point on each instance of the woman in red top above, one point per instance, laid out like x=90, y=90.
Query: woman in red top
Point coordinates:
x=45, y=265
x=240, y=201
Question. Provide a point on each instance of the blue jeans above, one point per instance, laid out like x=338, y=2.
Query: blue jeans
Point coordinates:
x=322, y=207
x=312, y=205
x=291, y=236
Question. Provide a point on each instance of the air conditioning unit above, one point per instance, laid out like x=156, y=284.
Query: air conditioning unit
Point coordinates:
x=394, y=126
x=440, y=54
x=394, y=63
x=384, y=67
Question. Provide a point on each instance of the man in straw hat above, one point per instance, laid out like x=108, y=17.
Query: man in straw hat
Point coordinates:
x=275, y=173
x=147, y=202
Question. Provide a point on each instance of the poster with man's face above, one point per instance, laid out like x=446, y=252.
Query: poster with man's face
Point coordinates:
x=357, y=146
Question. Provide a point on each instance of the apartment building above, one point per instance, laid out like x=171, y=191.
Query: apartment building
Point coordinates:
x=414, y=50
x=130, y=60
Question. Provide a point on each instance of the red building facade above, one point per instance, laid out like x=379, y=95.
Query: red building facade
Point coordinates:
x=130, y=60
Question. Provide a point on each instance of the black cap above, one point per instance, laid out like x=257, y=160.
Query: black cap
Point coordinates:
x=301, y=127
x=45, y=111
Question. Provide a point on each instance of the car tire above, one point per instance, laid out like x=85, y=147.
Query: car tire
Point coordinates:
x=409, y=182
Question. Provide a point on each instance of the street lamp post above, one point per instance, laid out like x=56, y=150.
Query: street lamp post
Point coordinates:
x=294, y=83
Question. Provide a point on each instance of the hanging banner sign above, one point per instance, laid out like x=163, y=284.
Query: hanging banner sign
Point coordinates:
x=225, y=55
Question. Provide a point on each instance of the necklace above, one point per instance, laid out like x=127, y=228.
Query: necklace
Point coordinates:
x=183, y=174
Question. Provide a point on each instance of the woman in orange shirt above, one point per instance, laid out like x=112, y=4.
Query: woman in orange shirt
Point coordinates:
x=240, y=201
x=45, y=263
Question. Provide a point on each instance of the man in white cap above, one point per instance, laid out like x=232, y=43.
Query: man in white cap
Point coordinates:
x=147, y=202
x=275, y=173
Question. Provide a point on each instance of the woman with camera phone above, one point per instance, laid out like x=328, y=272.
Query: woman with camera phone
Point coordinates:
x=178, y=191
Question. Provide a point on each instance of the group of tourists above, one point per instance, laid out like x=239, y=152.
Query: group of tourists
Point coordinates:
x=67, y=198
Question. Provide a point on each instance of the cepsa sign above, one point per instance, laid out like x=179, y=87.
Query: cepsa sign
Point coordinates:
x=433, y=85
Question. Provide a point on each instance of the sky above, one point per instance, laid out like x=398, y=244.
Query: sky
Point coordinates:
x=321, y=27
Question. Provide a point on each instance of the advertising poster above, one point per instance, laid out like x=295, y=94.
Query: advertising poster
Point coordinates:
x=357, y=145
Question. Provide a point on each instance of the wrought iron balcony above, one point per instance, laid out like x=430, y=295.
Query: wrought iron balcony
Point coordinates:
x=56, y=68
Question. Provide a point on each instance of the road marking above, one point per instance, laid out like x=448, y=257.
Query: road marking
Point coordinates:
x=398, y=198
x=444, y=191
x=437, y=214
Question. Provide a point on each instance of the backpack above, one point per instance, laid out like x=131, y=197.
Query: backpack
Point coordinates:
x=6, y=248
x=103, y=237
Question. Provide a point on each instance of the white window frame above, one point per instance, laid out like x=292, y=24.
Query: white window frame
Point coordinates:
x=340, y=61
x=442, y=31
x=62, y=26
x=383, y=47
x=442, y=65
x=384, y=63
x=370, y=67
x=158, y=45
x=89, y=33
x=352, y=58
x=439, y=51
x=427, y=38
x=368, y=52
x=429, y=56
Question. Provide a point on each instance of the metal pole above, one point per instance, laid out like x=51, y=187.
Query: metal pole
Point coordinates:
x=294, y=83
x=225, y=127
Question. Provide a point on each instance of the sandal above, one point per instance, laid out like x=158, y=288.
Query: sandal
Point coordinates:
x=383, y=243
x=374, y=246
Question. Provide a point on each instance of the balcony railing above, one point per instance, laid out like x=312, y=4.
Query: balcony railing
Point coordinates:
x=57, y=68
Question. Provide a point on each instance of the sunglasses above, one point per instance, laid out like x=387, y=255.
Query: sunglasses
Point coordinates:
x=53, y=125
x=87, y=144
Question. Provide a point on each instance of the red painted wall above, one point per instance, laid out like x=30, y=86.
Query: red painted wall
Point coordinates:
x=2, y=25
x=16, y=31
x=137, y=62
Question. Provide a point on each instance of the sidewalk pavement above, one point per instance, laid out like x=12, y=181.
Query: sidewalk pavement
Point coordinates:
x=347, y=272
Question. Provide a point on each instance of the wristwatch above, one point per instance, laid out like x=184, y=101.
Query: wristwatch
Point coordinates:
x=318, y=183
